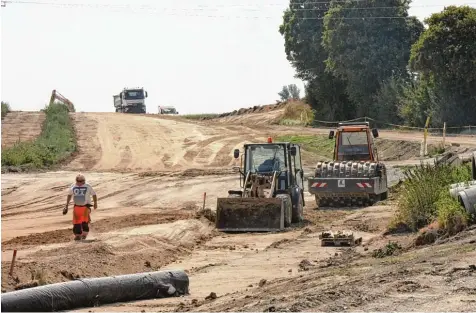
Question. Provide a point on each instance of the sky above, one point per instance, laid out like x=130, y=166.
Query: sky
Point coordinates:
x=201, y=56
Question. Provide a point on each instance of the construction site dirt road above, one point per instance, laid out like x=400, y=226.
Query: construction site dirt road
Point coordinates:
x=151, y=174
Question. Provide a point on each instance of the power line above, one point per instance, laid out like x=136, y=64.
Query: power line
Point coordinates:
x=386, y=7
x=201, y=7
x=150, y=10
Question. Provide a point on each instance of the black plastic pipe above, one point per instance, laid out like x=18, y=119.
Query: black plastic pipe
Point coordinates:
x=93, y=292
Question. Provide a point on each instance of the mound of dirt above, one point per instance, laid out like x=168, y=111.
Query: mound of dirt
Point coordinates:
x=126, y=251
x=100, y=226
x=394, y=150
x=251, y=110
x=206, y=213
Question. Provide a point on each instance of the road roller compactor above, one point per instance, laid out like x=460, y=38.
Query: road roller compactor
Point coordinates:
x=355, y=177
x=271, y=195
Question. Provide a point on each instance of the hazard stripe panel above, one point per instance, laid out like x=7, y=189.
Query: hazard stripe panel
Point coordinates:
x=319, y=185
x=363, y=185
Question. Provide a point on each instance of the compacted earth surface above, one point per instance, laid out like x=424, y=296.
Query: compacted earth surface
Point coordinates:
x=151, y=174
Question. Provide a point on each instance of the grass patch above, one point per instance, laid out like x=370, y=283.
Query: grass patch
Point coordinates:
x=436, y=150
x=56, y=142
x=5, y=109
x=424, y=197
x=297, y=113
x=204, y=116
x=390, y=249
x=316, y=144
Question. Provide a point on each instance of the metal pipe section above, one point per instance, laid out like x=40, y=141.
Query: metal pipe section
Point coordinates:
x=467, y=198
x=456, y=188
x=93, y=292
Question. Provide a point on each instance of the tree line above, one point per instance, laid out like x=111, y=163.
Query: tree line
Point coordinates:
x=370, y=58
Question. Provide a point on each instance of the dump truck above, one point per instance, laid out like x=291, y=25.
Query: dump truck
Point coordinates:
x=355, y=177
x=167, y=110
x=130, y=100
x=271, y=194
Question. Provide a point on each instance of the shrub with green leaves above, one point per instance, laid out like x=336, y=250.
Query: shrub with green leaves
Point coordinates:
x=56, y=142
x=424, y=196
x=451, y=215
x=5, y=108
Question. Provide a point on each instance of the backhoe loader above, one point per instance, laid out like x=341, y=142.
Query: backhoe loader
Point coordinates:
x=271, y=196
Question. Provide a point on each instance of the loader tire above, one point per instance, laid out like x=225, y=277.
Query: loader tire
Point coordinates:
x=298, y=211
x=384, y=196
x=288, y=208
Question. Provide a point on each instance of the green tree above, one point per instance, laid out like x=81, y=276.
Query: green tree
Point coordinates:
x=368, y=51
x=5, y=109
x=294, y=91
x=302, y=30
x=290, y=92
x=444, y=56
x=284, y=93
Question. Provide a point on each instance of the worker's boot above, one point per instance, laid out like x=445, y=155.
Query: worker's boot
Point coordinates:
x=84, y=235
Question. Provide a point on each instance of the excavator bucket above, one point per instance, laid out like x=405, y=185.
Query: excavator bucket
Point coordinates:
x=250, y=214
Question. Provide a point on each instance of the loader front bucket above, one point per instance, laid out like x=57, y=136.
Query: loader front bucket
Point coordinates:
x=250, y=214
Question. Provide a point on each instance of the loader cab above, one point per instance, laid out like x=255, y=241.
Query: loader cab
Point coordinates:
x=283, y=157
x=354, y=142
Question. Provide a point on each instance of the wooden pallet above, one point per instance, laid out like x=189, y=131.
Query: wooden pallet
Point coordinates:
x=339, y=239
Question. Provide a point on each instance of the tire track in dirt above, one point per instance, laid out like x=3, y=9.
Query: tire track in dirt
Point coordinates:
x=88, y=145
x=101, y=226
x=224, y=156
x=125, y=142
x=35, y=207
x=130, y=142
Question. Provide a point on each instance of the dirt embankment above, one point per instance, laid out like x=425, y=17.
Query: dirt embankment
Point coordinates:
x=257, y=109
x=439, y=277
x=131, y=143
x=125, y=142
x=21, y=126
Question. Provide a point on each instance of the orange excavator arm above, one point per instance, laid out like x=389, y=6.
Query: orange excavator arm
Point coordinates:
x=57, y=96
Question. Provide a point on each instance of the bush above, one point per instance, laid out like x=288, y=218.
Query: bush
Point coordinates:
x=297, y=113
x=424, y=195
x=55, y=143
x=5, y=108
x=451, y=216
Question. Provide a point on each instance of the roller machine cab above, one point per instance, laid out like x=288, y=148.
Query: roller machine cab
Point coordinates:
x=355, y=177
x=271, y=196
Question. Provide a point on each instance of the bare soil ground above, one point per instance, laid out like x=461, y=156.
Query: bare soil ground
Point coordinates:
x=112, y=142
x=151, y=174
x=21, y=126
